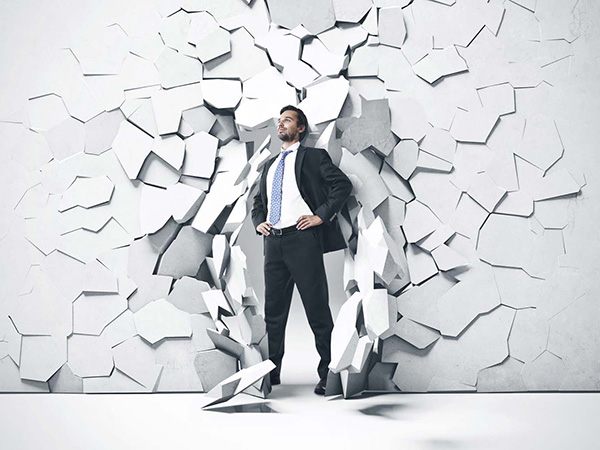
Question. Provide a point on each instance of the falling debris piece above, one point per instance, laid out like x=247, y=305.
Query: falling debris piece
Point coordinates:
x=237, y=383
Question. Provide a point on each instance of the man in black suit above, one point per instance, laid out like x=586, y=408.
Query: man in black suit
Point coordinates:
x=299, y=195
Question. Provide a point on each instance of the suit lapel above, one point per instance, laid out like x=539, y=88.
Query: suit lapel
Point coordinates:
x=299, y=160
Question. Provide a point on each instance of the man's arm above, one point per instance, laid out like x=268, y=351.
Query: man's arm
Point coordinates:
x=339, y=184
x=259, y=211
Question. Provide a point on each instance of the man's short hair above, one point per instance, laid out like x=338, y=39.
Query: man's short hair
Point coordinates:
x=302, y=120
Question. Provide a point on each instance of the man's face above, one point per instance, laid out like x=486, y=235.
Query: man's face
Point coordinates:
x=287, y=126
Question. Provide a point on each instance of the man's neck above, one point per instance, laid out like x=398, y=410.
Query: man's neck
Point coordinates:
x=287, y=144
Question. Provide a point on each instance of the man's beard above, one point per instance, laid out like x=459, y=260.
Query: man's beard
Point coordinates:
x=286, y=137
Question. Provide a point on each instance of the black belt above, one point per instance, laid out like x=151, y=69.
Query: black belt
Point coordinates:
x=283, y=231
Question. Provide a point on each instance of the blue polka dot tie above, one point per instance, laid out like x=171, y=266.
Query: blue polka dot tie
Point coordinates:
x=275, y=211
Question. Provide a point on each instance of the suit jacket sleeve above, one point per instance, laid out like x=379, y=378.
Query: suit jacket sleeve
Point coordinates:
x=339, y=184
x=259, y=209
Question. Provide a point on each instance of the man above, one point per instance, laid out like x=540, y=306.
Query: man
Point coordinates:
x=300, y=192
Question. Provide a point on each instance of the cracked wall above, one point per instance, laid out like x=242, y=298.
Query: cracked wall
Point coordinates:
x=128, y=172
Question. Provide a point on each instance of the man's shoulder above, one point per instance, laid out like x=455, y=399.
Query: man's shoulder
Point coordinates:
x=313, y=151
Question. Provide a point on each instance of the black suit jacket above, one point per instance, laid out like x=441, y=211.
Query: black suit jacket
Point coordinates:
x=324, y=188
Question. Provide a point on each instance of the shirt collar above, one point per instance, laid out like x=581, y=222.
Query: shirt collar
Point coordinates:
x=292, y=147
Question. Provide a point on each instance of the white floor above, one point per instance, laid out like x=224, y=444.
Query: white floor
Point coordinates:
x=294, y=417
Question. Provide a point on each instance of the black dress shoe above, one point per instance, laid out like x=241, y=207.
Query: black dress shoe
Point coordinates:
x=320, y=387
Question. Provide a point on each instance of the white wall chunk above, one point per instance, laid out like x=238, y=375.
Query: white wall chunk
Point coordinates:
x=135, y=358
x=409, y=120
x=392, y=30
x=325, y=62
x=476, y=294
x=168, y=104
x=200, y=154
x=415, y=334
x=91, y=313
x=439, y=63
x=243, y=61
x=161, y=319
x=132, y=146
x=222, y=94
x=447, y=259
x=324, y=100
x=541, y=144
x=41, y=356
x=474, y=125
x=171, y=149
x=87, y=192
x=556, y=184
x=516, y=246
x=379, y=312
x=315, y=15
x=90, y=356
x=344, y=339
x=485, y=192
x=102, y=53
x=421, y=265
x=517, y=203
x=419, y=222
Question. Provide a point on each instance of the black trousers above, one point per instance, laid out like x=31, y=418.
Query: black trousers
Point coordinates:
x=296, y=258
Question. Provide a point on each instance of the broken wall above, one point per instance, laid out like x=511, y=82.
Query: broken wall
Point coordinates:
x=128, y=173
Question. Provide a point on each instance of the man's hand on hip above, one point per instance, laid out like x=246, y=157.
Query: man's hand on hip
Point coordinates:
x=305, y=222
x=264, y=228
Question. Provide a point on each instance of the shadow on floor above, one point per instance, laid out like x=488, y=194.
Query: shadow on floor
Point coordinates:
x=256, y=408
x=363, y=395
x=284, y=391
x=384, y=410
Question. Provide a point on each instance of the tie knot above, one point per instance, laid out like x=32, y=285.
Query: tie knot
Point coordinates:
x=285, y=153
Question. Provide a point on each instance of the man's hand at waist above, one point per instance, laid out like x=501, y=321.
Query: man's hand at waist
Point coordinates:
x=305, y=222
x=264, y=228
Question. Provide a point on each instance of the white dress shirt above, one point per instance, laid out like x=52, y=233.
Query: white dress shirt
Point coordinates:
x=292, y=204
